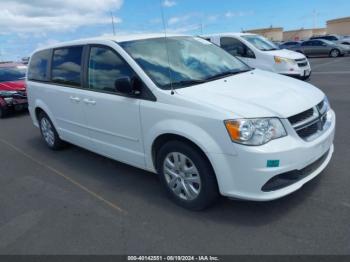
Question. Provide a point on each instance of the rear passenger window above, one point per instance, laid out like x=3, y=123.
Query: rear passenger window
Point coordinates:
x=38, y=68
x=66, y=65
x=308, y=43
x=105, y=67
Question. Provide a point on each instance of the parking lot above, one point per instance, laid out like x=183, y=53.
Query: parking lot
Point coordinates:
x=76, y=202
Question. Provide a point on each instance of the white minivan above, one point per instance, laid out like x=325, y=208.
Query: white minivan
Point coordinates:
x=182, y=107
x=259, y=52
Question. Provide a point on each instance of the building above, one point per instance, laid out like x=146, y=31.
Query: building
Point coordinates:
x=340, y=26
x=303, y=34
x=272, y=33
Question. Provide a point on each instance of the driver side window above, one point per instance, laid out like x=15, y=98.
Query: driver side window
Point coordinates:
x=236, y=47
x=105, y=67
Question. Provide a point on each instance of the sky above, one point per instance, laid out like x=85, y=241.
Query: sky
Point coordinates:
x=26, y=25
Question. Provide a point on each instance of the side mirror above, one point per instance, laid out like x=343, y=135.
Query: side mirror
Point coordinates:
x=250, y=54
x=124, y=85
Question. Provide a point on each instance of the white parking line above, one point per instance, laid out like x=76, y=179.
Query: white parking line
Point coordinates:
x=331, y=72
x=69, y=179
x=325, y=64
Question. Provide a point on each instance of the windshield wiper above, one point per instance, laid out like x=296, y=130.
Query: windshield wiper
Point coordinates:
x=185, y=83
x=271, y=49
x=228, y=73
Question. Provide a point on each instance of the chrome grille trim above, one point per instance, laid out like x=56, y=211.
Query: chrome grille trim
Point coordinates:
x=312, y=127
x=314, y=116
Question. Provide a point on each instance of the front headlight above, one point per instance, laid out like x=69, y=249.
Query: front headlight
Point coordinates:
x=255, y=132
x=279, y=60
x=8, y=100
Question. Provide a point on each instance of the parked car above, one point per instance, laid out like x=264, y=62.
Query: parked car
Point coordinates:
x=12, y=88
x=182, y=107
x=321, y=47
x=289, y=44
x=345, y=40
x=278, y=43
x=258, y=52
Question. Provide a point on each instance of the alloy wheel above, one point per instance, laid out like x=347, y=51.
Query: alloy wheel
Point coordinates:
x=47, y=131
x=182, y=176
x=334, y=53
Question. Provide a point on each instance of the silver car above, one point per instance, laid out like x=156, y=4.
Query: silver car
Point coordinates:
x=321, y=47
x=345, y=40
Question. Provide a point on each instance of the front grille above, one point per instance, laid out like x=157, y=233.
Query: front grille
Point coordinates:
x=310, y=122
x=301, y=117
x=302, y=64
x=308, y=131
x=320, y=105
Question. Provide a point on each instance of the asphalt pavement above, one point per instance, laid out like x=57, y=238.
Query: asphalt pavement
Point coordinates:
x=76, y=202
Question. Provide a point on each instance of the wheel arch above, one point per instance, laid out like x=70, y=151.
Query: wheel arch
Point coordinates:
x=167, y=137
x=41, y=107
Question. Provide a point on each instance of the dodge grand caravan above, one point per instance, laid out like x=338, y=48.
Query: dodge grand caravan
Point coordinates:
x=182, y=107
x=259, y=52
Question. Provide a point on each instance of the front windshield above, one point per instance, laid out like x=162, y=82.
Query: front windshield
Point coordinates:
x=182, y=61
x=12, y=74
x=260, y=42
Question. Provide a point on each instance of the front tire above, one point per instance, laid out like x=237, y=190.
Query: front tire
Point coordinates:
x=49, y=133
x=3, y=112
x=187, y=175
x=334, y=53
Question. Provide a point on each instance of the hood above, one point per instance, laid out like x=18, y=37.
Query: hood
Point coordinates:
x=13, y=86
x=286, y=54
x=256, y=94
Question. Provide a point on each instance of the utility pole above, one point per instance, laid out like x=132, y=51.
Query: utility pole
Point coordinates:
x=113, y=26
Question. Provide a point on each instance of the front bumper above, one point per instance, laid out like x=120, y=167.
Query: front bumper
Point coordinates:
x=244, y=175
x=14, y=102
x=294, y=70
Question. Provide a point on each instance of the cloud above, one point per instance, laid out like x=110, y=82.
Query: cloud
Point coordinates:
x=180, y=19
x=184, y=29
x=169, y=3
x=42, y=16
x=231, y=14
x=49, y=41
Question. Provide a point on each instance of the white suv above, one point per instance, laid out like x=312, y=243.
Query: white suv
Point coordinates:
x=183, y=108
x=259, y=52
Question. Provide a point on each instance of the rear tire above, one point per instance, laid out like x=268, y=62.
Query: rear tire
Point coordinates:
x=187, y=175
x=49, y=133
x=334, y=53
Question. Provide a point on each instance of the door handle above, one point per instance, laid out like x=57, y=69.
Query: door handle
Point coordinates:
x=89, y=101
x=75, y=99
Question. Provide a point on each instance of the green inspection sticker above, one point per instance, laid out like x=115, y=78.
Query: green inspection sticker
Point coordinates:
x=272, y=163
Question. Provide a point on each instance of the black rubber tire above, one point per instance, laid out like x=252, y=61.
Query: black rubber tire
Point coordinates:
x=58, y=143
x=333, y=50
x=3, y=112
x=209, y=192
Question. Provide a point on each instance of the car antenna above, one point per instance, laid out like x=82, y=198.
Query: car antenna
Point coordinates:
x=166, y=47
x=113, y=26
